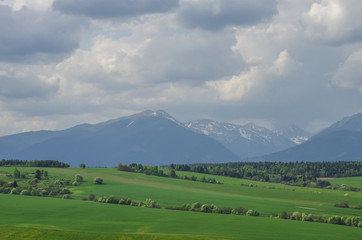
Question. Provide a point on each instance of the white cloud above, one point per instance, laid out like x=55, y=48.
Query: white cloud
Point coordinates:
x=334, y=21
x=349, y=74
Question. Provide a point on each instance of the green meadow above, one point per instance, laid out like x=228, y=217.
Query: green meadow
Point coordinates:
x=54, y=218
x=349, y=181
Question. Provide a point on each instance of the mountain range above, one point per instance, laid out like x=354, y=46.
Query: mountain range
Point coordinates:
x=157, y=138
x=250, y=140
x=153, y=138
x=341, y=141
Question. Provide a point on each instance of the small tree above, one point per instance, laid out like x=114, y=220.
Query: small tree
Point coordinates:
x=98, y=180
x=82, y=165
x=173, y=173
x=38, y=174
x=78, y=178
x=16, y=173
x=91, y=197
x=205, y=208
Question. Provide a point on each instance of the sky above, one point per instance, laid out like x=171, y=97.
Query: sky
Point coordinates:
x=271, y=62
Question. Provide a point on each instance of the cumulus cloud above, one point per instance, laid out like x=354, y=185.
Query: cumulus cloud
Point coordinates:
x=113, y=8
x=217, y=14
x=32, y=36
x=196, y=56
x=349, y=73
x=334, y=21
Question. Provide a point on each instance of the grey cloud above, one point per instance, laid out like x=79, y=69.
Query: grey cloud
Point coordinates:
x=32, y=36
x=195, y=57
x=20, y=88
x=113, y=8
x=216, y=15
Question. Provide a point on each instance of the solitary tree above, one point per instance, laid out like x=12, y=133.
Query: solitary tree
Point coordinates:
x=16, y=173
x=82, y=165
x=78, y=178
x=38, y=174
x=98, y=180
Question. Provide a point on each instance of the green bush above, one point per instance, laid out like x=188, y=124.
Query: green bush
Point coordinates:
x=252, y=212
x=307, y=217
x=25, y=192
x=205, y=208
x=336, y=220
x=75, y=183
x=91, y=197
x=14, y=191
x=196, y=206
x=67, y=196
x=98, y=180
x=78, y=178
x=239, y=211
x=296, y=216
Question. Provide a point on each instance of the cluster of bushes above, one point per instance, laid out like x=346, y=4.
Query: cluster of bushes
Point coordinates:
x=211, y=208
x=155, y=171
x=349, y=221
x=149, y=203
x=345, y=204
x=30, y=191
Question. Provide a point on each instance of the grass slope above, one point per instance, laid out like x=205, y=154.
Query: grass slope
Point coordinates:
x=53, y=216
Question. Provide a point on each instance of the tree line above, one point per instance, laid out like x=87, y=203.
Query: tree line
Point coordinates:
x=156, y=171
x=293, y=173
x=35, y=163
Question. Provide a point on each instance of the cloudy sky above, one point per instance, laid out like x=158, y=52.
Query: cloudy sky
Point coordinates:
x=272, y=62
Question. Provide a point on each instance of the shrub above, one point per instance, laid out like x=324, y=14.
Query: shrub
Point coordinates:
x=196, y=206
x=336, y=220
x=205, y=208
x=78, y=178
x=352, y=221
x=125, y=201
x=4, y=190
x=91, y=197
x=307, y=217
x=75, y=183
x=67, y=196
x=224, y=210
x=14, y=191
x=112, y=199
x=284, y=215
x=25, y=192
x=102, y=199
x=98, y=180
x=134, y=203
x=239, y=211
x=343, y=204
x=44, y=192
x=151, y=203
x=296, y=216
x=65, y=191
x=252, y=212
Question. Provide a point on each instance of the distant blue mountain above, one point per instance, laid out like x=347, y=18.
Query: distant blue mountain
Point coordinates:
x=342, y=141
x=153, y=138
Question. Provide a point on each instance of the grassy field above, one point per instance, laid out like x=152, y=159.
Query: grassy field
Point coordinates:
x=349, y=181
x=28, y=215
x=49, y=216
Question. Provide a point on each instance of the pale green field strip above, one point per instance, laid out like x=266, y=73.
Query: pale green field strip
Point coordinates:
x=43, y=213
